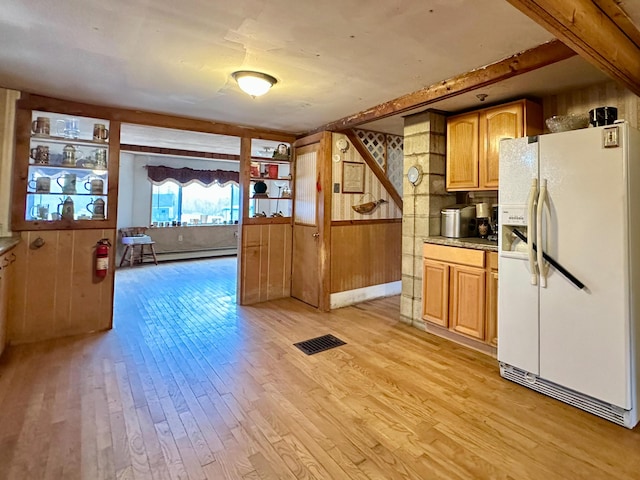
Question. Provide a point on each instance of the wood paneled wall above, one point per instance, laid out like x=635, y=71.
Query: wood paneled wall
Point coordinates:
x=55, y=292
x=365, y=254
x=7, y=139
x=607, y=94
x=266, y=263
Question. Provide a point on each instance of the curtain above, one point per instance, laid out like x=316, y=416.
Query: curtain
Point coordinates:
x=159, y=174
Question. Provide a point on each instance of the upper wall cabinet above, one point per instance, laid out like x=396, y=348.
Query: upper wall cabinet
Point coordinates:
x=473, y=142
x=63, y=173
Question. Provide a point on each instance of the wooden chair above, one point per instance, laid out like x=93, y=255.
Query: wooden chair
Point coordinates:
x=135, y=241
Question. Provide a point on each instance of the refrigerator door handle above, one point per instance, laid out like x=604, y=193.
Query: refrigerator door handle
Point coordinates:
x=543, y=202
x=531, y=226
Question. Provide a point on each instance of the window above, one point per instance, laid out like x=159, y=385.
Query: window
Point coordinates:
x=195, y=203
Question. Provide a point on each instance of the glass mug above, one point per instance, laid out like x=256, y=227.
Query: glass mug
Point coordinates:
x=40, y=154
x=69, y=128
x=95, y=186
x=41, y=184
x=65, y=208
x=70, y=155
x=100, y=133
x=101, y=158
x=41, y=126
x=40, y=212
x=96, y=207
x=67, y=183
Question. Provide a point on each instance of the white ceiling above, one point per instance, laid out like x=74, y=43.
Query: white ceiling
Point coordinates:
x=332, y=58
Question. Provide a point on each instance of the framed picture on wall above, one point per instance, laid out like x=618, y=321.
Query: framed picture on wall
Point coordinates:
x=352, y=177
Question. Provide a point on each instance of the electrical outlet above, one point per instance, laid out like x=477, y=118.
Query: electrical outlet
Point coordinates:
x=179, y=238
x=336, y=188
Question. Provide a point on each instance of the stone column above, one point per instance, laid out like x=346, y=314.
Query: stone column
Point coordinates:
x=424, y=146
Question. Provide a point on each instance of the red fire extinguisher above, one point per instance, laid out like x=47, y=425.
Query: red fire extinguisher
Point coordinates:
x=102, y=257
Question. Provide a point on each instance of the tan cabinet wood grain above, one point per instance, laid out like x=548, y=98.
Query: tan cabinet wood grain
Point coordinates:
x=460, y=292
x=464, y=146
x=468, y=301
x=496, y=124
x=6, y=270
x=435, y=292
x=492, y=299
x=462, y=152
x=54, y=291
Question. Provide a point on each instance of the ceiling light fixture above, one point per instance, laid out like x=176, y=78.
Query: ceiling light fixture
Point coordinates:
x=254, y=83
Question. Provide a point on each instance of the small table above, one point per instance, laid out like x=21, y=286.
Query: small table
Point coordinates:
x=136, y=255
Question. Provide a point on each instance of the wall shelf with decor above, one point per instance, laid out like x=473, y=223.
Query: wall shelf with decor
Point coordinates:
x=270, y=192
x=65, y=173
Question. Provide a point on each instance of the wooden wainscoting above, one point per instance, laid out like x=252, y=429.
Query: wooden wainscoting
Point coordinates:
x=55, y=292
x=266, y=263
x=365, y=253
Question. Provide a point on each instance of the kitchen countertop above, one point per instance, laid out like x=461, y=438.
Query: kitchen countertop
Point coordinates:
x=7, y=243
x=467, y=242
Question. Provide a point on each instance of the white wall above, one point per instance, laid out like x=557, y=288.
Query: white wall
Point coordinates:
x=134, y=197
x=125, y=191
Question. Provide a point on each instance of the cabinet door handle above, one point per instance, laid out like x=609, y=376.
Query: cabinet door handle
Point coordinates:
x=13, y=257
x=316, y=235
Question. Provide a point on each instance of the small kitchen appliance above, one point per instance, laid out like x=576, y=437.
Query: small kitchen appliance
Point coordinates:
x=458, y=221
x=482, y=219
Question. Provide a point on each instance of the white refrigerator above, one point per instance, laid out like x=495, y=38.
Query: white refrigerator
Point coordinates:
x=569, y=329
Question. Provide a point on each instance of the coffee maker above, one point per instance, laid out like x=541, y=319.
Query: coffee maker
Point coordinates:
x=483, y=213
x=493, y=223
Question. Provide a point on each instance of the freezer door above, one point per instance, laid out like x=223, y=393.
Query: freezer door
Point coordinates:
x=518, y=166
x=517, y=315
x=517, y=297
x=584, y=334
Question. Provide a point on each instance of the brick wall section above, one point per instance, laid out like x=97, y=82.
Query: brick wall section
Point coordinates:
x=424, y=145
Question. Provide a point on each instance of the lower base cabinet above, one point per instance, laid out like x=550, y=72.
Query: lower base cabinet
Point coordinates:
x=460, y=291
x=467, y=301
x=6, y=268
x=492, y=299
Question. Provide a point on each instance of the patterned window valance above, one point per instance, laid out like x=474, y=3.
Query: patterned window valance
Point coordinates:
x=159, y=174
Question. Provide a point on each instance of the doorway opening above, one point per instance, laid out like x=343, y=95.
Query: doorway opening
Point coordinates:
x=181, y=190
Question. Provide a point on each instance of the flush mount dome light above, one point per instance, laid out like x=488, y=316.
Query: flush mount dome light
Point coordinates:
x=254, y=83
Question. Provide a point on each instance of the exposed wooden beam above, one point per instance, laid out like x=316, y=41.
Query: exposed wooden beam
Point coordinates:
x=177, y=152
x=584, y=27
x=375, y=168
x=48, y=104
x=614, y=10
x=523, y=62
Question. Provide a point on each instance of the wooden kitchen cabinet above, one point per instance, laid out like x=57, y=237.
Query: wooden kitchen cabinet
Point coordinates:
x=6, y=268
x=468, y=301
x=492, y=299
x=463, y=148
x=435, y=292
x=473, y=142
x=459, y=291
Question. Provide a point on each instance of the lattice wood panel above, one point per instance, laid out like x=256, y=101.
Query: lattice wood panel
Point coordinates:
x=376, y=144
x=395, y=160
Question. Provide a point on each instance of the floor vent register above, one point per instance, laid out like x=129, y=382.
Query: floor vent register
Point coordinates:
x=319, y=344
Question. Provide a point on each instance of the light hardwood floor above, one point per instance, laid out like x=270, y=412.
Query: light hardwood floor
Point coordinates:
x=190, y=386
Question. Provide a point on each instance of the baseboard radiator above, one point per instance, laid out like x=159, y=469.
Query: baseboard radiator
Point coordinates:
x=614, y=414
x=194, y=254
